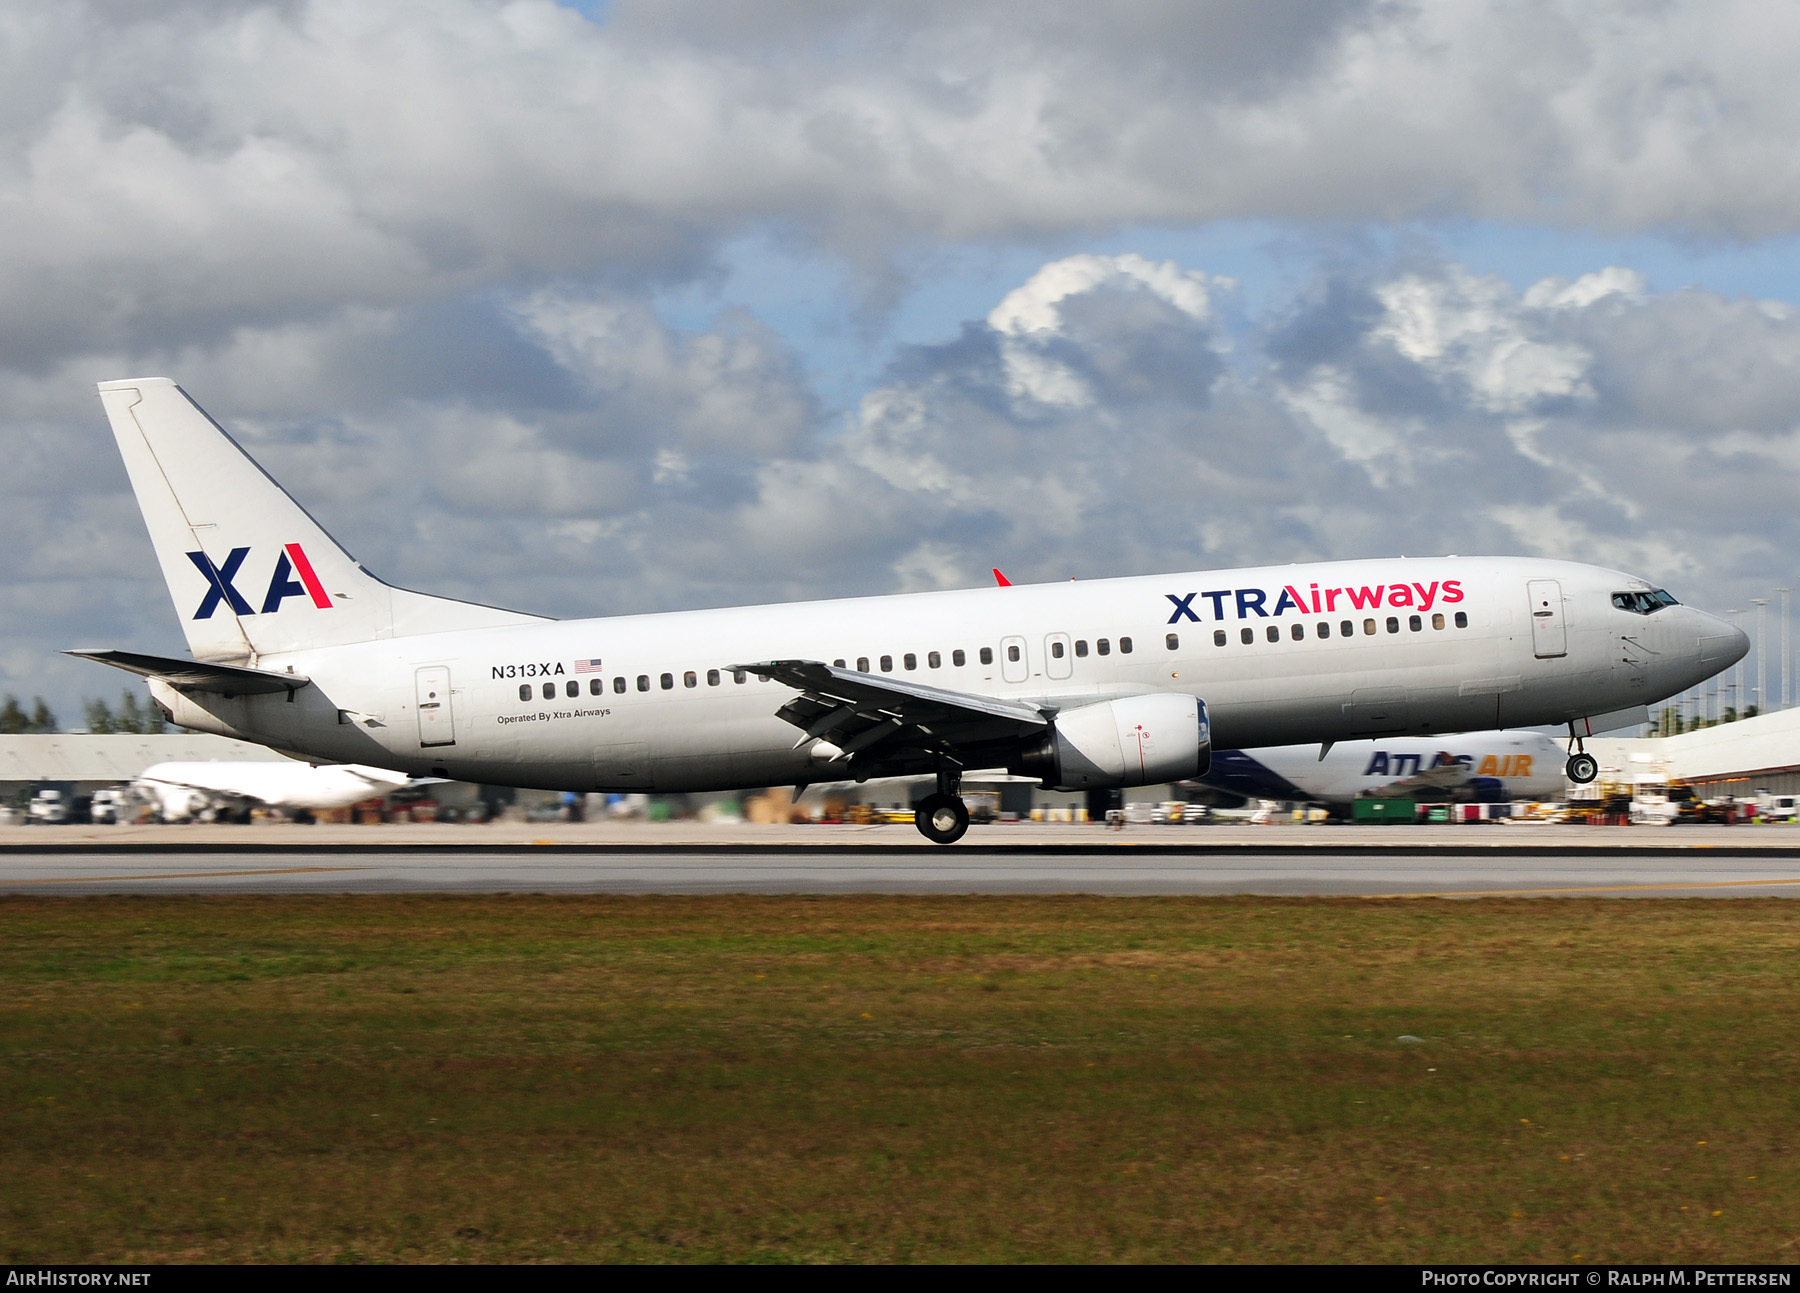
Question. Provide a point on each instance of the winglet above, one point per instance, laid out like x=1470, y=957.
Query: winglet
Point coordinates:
x=1001, y=579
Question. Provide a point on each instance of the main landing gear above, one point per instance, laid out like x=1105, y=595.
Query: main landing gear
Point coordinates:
x=1582, y=767
x=942, y=818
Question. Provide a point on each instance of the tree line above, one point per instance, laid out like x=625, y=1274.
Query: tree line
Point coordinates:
x=130, y=717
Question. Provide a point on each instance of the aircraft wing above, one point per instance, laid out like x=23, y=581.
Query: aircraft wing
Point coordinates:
x=196, y=675
x=880, y=718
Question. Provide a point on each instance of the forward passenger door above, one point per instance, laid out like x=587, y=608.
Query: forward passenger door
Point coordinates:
x=1549, y=634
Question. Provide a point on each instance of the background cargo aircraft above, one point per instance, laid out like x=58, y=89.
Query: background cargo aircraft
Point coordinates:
x=1483, y=766
x=1083, y=685
x=180, y=790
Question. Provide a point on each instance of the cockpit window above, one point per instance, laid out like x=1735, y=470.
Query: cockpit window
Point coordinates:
x=1643, y=603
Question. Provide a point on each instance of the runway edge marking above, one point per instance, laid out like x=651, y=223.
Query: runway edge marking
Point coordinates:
x=1064, y=849
x=184, y=875
x=1595, y=888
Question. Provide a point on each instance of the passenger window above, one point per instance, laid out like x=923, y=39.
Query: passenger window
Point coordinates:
x=596, y=686
x=1172, y=641
x=1393, y=624
x=1274, y=632
x=1012, y=654
x=1347, y=629
x=1081, y=648
x=862, y=664
x=571, y=689
x=910, y=660
x=712, y=677
x=643, y=682
x=934, y=660
x=1056, y=650
x=1324, y=628
x=1414, y=623
x=1297, y=632
x=668, y=682
x=619, y=685
x=987, y=655
x=1462, y=619
x=1437, y=621
x=887, y=664
x=739, y=676
x=1218, y=637
x=959, y=657
x=549, y=691
x=1124, y=646
x=1368, y=626
x=838, y=663
x=1103, y=647
x=524, y=691
x=689, y=679
x=1247, y=636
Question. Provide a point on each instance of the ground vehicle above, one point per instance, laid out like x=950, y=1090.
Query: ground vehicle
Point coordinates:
x=110, y=807
x=1778, y=808
x=48, y=808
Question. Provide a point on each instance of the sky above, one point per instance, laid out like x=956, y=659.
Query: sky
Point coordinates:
x=595, y=309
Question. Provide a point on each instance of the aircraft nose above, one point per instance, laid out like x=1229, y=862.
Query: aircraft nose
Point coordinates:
x=1722, y=643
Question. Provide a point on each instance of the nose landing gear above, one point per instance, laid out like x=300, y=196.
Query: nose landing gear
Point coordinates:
x=1582, y=767
x=942, y=818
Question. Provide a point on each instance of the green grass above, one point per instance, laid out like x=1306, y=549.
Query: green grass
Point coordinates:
x=874, y=1079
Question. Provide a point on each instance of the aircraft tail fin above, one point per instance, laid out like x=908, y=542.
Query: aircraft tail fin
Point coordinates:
x=250, y=571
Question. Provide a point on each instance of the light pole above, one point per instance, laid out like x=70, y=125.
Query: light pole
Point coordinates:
x=1738, y=673
x=1786, y=657
x=1762, y=666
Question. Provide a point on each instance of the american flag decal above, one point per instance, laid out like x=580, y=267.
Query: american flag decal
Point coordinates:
x=587, y=666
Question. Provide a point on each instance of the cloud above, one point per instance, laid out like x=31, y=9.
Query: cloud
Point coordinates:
x=1590, y=418
x=174, y=172
x=732, y=391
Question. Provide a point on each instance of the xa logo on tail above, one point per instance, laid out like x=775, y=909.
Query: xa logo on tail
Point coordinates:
x=282, y=583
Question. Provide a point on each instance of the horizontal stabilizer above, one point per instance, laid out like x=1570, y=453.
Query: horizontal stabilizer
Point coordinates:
x=196, y=675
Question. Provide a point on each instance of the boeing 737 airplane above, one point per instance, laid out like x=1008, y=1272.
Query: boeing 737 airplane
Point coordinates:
x=1488, y=767
x=1117, y=682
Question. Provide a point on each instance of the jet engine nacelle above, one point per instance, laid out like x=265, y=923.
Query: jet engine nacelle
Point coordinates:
x=1137, y=741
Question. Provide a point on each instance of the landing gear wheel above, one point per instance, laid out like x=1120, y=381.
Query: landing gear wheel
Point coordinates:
x=1582, y=768
x=942, y=819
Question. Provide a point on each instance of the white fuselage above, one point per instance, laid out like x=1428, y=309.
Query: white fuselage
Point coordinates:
x=1470, y=644
x=1519, y=766
x=181, y=789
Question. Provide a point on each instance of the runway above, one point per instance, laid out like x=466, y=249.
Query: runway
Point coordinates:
x=1492, y=866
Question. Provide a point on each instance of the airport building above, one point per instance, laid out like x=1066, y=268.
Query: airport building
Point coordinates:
x=1739, y=759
